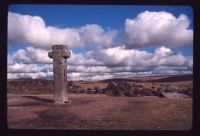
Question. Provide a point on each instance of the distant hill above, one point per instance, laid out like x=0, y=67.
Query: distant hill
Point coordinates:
x=29, y=85
x=176, y=78
x=152, y=79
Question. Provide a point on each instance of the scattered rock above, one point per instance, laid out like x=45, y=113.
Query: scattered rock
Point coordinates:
x=162, y=89
x=175, y=95
x=147, y=92
x=130, y=92
x=90, y=91
x=108, y=92
x=98, y=90
x=171, y=88
x=70, y=83
x=186, y=91
x=115, y=89
x=82, y=91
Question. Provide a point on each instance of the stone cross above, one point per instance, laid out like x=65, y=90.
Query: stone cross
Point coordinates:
x=59, y=55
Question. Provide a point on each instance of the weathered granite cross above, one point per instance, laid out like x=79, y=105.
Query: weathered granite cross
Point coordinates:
x=59, y=54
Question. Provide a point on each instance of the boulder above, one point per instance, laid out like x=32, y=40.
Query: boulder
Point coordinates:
x=175, y=95
x=74, y=89
x=71, y=89
x=70, y=83
x=104, y=90
x=107, y=92
x=98, y=90
x=133, y=92
x=187, y=91
x=147, y=92
x=126, y=84
x=82, y=91
x=171, y=88
x=90, y=91
x=130, y=92
x=158, y=92
x=115, y=89
x=161, y=89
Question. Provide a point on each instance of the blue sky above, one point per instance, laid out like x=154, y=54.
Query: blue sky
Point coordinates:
x=108, y=17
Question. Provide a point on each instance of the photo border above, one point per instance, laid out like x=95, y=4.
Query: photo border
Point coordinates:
x=3, y=68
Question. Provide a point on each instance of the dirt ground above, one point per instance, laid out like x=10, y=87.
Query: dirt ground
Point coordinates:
x=99, y=112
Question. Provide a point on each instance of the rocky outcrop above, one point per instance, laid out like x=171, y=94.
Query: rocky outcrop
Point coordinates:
x=114, y=88
x=133, y=90
x=130, y=89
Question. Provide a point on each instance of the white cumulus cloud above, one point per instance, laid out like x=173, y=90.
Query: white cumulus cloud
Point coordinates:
x=29, y=55
x=101, y=64
x=39, y=75
x=158, y=29
x=163, y=56
x=33, y=31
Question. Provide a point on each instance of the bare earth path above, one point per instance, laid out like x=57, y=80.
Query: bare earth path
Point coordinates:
x=102, y=112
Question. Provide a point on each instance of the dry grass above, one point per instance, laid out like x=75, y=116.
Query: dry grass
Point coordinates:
x=35, y=109
x=99, y=112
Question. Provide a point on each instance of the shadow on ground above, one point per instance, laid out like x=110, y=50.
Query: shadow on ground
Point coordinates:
x=39, y=99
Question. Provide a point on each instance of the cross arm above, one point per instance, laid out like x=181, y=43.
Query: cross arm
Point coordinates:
x=66, y=54
x=50, y=54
